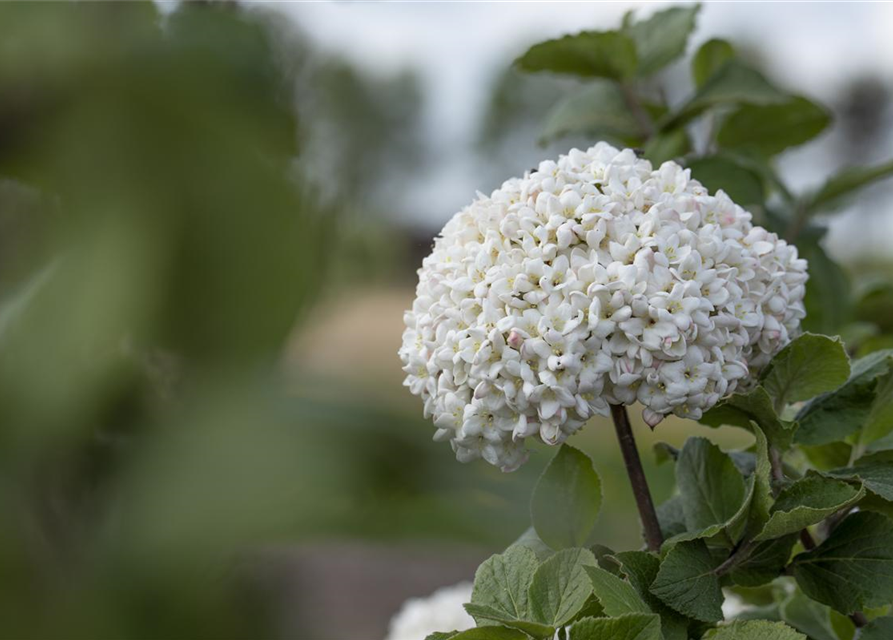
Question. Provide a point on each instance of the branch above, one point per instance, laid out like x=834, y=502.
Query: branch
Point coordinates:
x=653, y=536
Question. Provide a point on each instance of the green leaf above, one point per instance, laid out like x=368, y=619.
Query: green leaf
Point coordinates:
x=482, y=614
x=765, y=563
x=599, y=110
x=616, y=595
x=741, y=409
x=874, y=303
x=712, y=490
x=480, y=633
x=875, y=473
x=632, y=626
x=808, y=616
x=806, y=502
x=733, y=83
x=502, y=581
x=641, y=568
x=771, y=128
x=566, y=499
x=833, y=416
x=711, y=57
x=687, y=582
x=811, y=364
x=835, y=191
x=560, y=587
x=604, y=558
x=664, y=452
x=532, y=541
x=662, y=37
x=828, y=301
x=721, y=172
x=754, y=630
x=828, y=456
x=590, y=54
x=761, y=504
x=853, y=568
x=667, y=145
x=880, y=417
x=878, y=629
x=671, y=517
x=726, y=533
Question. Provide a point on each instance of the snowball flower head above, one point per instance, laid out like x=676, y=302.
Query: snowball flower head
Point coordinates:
x=594, y=280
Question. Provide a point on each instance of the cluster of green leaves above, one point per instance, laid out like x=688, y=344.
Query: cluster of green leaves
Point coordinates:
x=744, y=521
x=744, y=120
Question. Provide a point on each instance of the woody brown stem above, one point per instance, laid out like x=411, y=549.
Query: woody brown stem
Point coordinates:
x=653, y=536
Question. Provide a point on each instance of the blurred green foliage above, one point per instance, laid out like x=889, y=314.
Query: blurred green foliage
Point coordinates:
x=160, y=237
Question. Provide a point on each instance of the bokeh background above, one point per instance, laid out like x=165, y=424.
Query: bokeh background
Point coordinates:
x=210, y=219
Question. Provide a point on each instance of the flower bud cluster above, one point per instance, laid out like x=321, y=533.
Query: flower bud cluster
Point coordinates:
x=591, y=281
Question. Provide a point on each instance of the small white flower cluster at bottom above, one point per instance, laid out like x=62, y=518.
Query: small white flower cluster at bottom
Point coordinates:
x=441, y=611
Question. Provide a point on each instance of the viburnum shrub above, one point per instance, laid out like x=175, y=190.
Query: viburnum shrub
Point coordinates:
x=616, y=277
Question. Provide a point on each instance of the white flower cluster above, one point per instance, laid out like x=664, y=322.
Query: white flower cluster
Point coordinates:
x=441, y=611
x=593, y=280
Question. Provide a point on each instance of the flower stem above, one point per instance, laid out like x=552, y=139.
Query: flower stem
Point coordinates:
x=653, y=537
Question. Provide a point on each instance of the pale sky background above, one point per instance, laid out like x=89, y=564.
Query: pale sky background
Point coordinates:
x=459, y=47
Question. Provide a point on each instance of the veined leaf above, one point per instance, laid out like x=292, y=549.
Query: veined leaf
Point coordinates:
x=880, y=416
x=671, y=517
x=482, y=614
x=687, y=582
x=835, y=415
x=590, y=54
x=834, y=192
x=740, y=409
x=662, y=37
x=754, y=630
x=811, y=364
x=616, y=595
x=853, y=568
x=480, y=633
x=566, y=499
x=828, y=301
x=560, y=587
x=668, y=145
x=771, y=128
x=711, y=56
x=878, y=629
x=502, y=581
x=720, y=172
x=814, y=619
x=712, y=490
x=733, y=83
x=806, y=502
x=874, y=471
x=599, y=110
x=632, y=626
x=765, y=563
x=641, y=568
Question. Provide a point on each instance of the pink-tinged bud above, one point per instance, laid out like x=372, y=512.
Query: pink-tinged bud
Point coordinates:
x=652, y=418
x=515, y=339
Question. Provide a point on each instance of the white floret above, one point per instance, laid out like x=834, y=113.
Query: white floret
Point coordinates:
x=594, y=280
x=442, y=610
